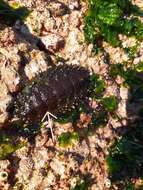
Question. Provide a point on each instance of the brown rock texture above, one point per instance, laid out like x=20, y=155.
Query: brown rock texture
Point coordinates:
x=53, y=35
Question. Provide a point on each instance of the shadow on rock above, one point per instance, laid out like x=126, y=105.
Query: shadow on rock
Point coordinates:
x=125, y=161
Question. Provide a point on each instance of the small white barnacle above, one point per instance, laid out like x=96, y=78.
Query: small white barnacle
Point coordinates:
x=26, y=107
x=36, y=89
x=54, y=92
x=34, y=100
x=81, y=79
x=56, y=77
x=44, y=98
x=107, y=183
x=65, y=74
x=3, y=176
x=73, y=107
x=66, y=106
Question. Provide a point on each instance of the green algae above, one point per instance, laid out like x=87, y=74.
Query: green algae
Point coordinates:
x=105, y=20
x=99, y=118
x=131, y=51
x=7, y=148
x=97, y=86
x=69, y=116
x=67, y=139
x=125, y=155
x=10, y=13
x=9, y=144
x=83, y=185
x=110, y=103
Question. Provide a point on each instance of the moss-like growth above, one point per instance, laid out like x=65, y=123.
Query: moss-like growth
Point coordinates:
x=105, y=20
x=110, y=103
x=71, y=116
x=115, y=70
x=9, y=143
x=10, y=139
x=126, y=155
x=131, y=51
x=97, y=86
x=67, y=139
x=132, y=79
x=128, y=73
x=7, y=148
x=83, y=185
x=139, y=67
x=99, y=118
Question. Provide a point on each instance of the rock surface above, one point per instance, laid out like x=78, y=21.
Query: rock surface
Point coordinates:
x=53, y=34
x=20, y=62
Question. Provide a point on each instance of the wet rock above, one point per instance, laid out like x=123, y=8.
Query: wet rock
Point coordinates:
x=72, y=45
x=58, y=167
x=7, y=37
x=36, y=65
x=53, y=42
x=10, y=76
x=36, y=23
x=74, y=19
x=20, y=62
x=5, y=100
x=50, y=24
x=74, y=4
x=24, y=167
x=58, y=8
x=124, y=93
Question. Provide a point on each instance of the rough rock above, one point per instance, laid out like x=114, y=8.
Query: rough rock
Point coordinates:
x=42, y=164
x=5, y=100
x=58, y=8
x=53, y=42
x=20, y=62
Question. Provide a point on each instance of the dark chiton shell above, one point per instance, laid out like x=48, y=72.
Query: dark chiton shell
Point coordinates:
x=56, y=90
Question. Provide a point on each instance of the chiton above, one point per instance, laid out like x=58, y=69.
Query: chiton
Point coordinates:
x=56, y=90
